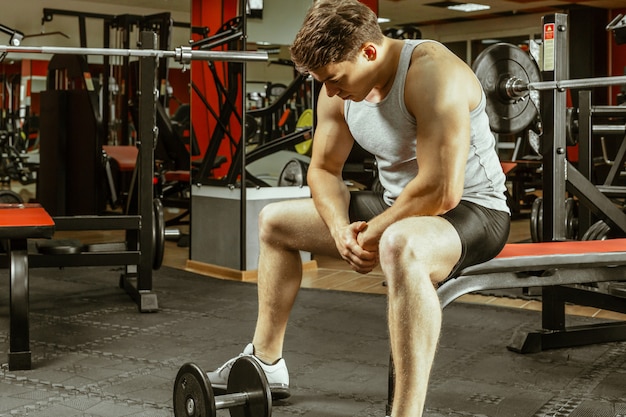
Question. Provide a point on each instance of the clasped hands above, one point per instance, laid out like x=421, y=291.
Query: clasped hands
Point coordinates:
x=358, y=246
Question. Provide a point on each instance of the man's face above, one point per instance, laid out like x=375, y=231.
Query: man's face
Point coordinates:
x=348, y=80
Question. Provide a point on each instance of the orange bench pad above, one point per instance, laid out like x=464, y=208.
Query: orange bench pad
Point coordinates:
x=178, y=175
x=24, y=215
x=125, y=156
x=512, y=250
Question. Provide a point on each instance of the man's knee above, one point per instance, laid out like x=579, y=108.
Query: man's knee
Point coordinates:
x=271, y=220
x=413, y=249
x=391, y=246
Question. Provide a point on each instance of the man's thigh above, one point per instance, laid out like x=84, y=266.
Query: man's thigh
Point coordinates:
x=296, y=224
x=433, y=242
x=466, y=235
x=483, y=232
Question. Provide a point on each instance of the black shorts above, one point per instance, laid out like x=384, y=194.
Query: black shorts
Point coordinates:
x=483, y=231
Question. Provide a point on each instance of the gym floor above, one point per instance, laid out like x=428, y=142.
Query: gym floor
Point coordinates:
x=94, y=355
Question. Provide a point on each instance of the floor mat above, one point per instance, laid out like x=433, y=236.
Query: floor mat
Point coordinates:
x=95, y=355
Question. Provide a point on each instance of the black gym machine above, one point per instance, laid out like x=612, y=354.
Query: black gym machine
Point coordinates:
x=14, y=128
x=263, y=135
x=508, y=76
x=144, y=232
x=78, y=204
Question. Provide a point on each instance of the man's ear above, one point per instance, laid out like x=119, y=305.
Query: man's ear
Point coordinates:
x=369, y=50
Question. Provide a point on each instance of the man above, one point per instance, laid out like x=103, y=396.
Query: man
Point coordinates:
x=420, y=110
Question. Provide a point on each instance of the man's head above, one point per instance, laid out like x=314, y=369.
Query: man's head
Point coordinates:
x=334, y=31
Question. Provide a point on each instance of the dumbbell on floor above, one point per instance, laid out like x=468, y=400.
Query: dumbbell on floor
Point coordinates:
x=247, y=392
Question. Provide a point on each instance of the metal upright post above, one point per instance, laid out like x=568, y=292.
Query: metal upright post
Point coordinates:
x=555, y=64
x=147, y=96
x=585, y=157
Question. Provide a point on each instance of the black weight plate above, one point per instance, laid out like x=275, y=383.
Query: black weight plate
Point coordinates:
x=596, y=231
x=493, y=67
x=193, y=395
x=10, y=197
x=158, y=234
x=293, y=174
x=571, y=223
x=247, y=376
x=59, y=247
x=536, y=233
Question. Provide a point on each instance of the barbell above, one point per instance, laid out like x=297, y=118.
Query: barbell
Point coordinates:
x=508, y=75
x=247, y=392
x=182, y=54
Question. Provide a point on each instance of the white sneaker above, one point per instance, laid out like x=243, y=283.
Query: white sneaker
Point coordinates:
x=277, y=374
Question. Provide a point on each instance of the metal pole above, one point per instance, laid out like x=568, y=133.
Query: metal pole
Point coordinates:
x=515, y=87
x=182, y=54
x=553, y=104
x=146, y=141
x=578, y=83
x=585, y=131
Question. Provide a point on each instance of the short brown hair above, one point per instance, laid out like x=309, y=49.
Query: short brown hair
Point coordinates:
x=334, y=31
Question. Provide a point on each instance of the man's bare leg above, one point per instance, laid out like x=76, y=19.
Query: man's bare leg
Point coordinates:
x=284, y=229
x=414, y=254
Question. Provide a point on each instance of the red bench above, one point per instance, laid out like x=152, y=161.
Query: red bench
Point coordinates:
x=18, y=223
x=541, y=264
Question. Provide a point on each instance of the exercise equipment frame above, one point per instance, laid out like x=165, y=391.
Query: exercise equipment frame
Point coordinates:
x=139, y=256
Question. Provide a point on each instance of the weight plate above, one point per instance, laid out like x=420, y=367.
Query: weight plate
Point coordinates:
x=571, y=222
x=571, y=126
x=495, y=65
x=305, y=120
x=10, y=197
x=193, y=395
x=158, y=233
x=59, y=247
x=293, y=174
x=536, y=220
x=246, y=375
x=597, y=231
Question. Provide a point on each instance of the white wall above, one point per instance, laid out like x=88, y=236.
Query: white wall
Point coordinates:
x=280, y=23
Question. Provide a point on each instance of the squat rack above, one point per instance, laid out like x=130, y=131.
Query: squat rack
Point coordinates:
x=139, y=253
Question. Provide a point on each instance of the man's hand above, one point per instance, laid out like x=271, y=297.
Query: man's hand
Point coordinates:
x=360, y=259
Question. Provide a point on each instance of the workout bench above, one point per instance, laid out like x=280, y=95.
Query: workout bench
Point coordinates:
x=18, y=223
x=557, y=267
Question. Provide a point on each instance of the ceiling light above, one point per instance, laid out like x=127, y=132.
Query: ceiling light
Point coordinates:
x=383, y=20
x=468, y=7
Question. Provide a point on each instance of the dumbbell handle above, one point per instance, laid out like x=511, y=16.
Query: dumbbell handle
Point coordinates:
x=231, y=400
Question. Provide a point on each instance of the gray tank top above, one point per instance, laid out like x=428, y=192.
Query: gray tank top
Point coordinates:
x=387, y=130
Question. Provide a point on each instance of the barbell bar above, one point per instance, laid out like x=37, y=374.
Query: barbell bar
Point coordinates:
x=516, y=88
x=509, y=77
x=182, y=54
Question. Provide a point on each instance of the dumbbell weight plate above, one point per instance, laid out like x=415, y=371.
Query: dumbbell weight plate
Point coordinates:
x=247, y=375
x=193, y=395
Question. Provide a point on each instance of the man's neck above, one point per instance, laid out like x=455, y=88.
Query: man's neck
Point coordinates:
x=389, y=56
